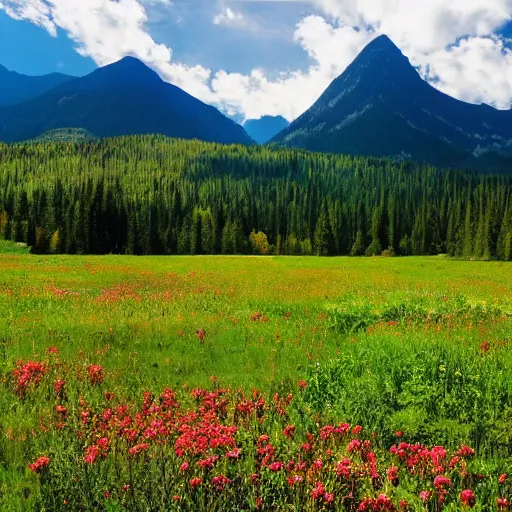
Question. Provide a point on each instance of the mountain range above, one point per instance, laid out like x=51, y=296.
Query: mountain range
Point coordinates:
x=16, y=88
x=379, y=106
x=123, y=98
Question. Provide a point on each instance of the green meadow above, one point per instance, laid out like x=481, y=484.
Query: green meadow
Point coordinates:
x=419, y=345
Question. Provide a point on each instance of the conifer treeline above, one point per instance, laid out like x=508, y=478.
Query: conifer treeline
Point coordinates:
x=153, y=195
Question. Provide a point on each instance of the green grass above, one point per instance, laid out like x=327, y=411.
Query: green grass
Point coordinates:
x=421, y=345
x=8, y=247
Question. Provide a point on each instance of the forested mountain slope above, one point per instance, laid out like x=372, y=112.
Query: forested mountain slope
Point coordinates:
x=151, y=194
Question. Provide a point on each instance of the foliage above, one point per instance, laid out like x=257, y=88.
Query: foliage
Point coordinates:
x=153, y=195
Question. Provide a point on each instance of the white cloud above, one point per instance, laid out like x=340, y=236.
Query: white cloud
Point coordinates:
x=451, y=41
x=229, y=17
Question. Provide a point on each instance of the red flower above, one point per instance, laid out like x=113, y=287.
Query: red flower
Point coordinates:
x=138, y=448
x=95, y=374
x=440, y=482
x=302, y=384
x=39, y=465
x=184, y=466
x=393, y=476
x=465, y=451
x=318, y=491
x=289, y=431
x=503, y=478
x=219, y=482
x=503, y=504
x=61, y=410
x=52, y=350
x=276, y=466
x=328, y=497
x=468, y=498
x=59, y=385
x=200, y=334
x=195, y=482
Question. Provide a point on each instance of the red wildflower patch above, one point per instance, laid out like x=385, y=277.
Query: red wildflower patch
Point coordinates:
x=28, y=374
x=39, y=465
x=95, y=374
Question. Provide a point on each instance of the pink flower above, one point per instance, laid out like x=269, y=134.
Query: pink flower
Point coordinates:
x=276, y=466
x=468, y=498
x=441, y=482
x=425, y=496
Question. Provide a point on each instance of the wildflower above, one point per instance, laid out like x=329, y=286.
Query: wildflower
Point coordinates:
x=425, y=496
x=59, y=387
x=109, y=396
x=503, y=504
x=317, y=465
x=276, y=466
x=138, y=448
x=219, y=482
x=176, y=498
x=294, y=480
x=106, y=494
x=354, y=445
x=52, y=350
x=184, y=466
x=399, y=433
x=61, y=410
x=95, y=374
x=503, y=478
x=468, y=498
x=441, y=482
x=403, y=504
x=485, y=346
x=233, y=454
x=28, y=374
x=356, y=430
x=200, y=334
x=328, y=498
x=289, y=431
x=195, y=482
x=39, y=465
x=318, y=491
x=393, y=476
x=465, y=451
x=302, y=384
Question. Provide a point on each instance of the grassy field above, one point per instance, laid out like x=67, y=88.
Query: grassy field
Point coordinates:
x=418, y=346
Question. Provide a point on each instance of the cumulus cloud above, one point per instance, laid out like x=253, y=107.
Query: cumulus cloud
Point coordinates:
x=229, y=17
x=453, y=44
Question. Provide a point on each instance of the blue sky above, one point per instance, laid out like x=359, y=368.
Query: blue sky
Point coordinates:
x=255, y=57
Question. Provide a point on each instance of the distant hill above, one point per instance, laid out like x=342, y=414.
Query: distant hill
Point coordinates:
x=380, y=106
x=124, y=98
x=265, y=128
x=16, y=88
x=65, y=135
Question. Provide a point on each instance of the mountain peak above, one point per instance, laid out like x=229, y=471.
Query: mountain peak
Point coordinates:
x=127, y=71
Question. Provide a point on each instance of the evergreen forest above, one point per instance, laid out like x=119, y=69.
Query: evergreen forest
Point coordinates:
x=155, y=195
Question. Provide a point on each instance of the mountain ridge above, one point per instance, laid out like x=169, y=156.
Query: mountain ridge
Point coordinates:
x=123, y=98
x=381, y=89
x=16, y=88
